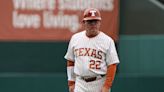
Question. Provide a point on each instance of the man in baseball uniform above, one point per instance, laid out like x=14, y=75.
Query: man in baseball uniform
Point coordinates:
x=91, y=57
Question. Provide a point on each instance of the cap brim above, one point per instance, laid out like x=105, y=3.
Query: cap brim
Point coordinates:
x=91, y=18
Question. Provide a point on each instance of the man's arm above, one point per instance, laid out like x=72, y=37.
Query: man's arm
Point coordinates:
x=111, y=70
x=71, y=75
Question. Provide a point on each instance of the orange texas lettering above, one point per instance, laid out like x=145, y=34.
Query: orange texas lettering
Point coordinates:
x=89, y=52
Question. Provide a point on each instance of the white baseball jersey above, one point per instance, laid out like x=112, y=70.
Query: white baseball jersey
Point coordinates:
x=91, y=55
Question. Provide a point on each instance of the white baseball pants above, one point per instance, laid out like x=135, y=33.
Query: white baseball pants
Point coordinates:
x=83, y=86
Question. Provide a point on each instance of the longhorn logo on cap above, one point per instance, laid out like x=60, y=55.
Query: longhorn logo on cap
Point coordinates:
x=93, y=12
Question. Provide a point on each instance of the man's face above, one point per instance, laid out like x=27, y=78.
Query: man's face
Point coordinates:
x=92, y=25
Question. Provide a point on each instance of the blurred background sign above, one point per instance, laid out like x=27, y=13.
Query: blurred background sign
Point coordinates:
x=54, y=20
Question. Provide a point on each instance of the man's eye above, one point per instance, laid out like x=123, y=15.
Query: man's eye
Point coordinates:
x=92, y=21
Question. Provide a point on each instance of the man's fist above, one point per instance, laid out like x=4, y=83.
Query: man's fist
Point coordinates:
x=71, y=88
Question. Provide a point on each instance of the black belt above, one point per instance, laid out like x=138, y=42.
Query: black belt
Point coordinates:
x=90, y=79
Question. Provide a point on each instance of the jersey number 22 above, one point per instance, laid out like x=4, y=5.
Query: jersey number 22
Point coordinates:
x=94, y=64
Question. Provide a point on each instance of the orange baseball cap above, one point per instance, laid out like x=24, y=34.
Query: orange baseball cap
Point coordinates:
x=91, y=14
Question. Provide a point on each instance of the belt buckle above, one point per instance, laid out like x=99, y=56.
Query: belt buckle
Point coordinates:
x=89, y=79
x=86, y=77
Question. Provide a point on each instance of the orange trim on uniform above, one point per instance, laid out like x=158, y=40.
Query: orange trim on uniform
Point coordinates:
x=111, y=70
x=70, y=63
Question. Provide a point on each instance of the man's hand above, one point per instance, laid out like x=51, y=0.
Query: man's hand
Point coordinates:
x=71, y=88
x=105, y=89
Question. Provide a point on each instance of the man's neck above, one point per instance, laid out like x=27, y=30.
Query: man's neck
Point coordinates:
x=92, y=34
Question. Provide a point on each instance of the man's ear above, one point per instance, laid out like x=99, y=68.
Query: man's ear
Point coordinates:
x=83, y=21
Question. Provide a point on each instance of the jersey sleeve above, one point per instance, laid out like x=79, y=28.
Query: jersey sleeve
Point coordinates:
x=70, y=53
x=111, y=56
